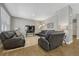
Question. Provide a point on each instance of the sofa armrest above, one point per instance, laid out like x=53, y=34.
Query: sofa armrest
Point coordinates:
x=43, y=39
x=42, y=42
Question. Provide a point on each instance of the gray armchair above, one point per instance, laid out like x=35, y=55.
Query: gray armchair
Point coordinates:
x=51, y=40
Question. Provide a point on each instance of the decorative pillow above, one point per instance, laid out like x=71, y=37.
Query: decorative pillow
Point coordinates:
x=18, y=33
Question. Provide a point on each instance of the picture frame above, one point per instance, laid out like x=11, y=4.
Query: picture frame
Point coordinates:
x=50, y=25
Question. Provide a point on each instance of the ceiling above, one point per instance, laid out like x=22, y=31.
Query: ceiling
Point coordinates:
x=36, y=11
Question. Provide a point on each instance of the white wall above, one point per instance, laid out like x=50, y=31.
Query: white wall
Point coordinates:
x=70, y=26
x=62, y=15
x=5, y=20
x=17, y=22
x=77, y=26
x=65, y=17
x=0, y=19
x=50, y=20
x=59, y=18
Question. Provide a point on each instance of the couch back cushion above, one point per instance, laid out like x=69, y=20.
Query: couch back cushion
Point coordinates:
x=7, y=34
x=48, y=33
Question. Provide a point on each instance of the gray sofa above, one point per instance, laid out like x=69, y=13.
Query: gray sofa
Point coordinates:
x=44, y=32
x=11, y=40
x=51, y=40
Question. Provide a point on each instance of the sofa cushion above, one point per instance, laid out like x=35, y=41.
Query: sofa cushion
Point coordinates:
x=8, y=34
x=48, y=33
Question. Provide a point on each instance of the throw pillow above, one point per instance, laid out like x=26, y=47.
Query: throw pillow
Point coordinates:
x=18, y=33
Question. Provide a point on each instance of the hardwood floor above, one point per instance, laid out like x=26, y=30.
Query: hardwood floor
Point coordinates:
x=32, y=49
